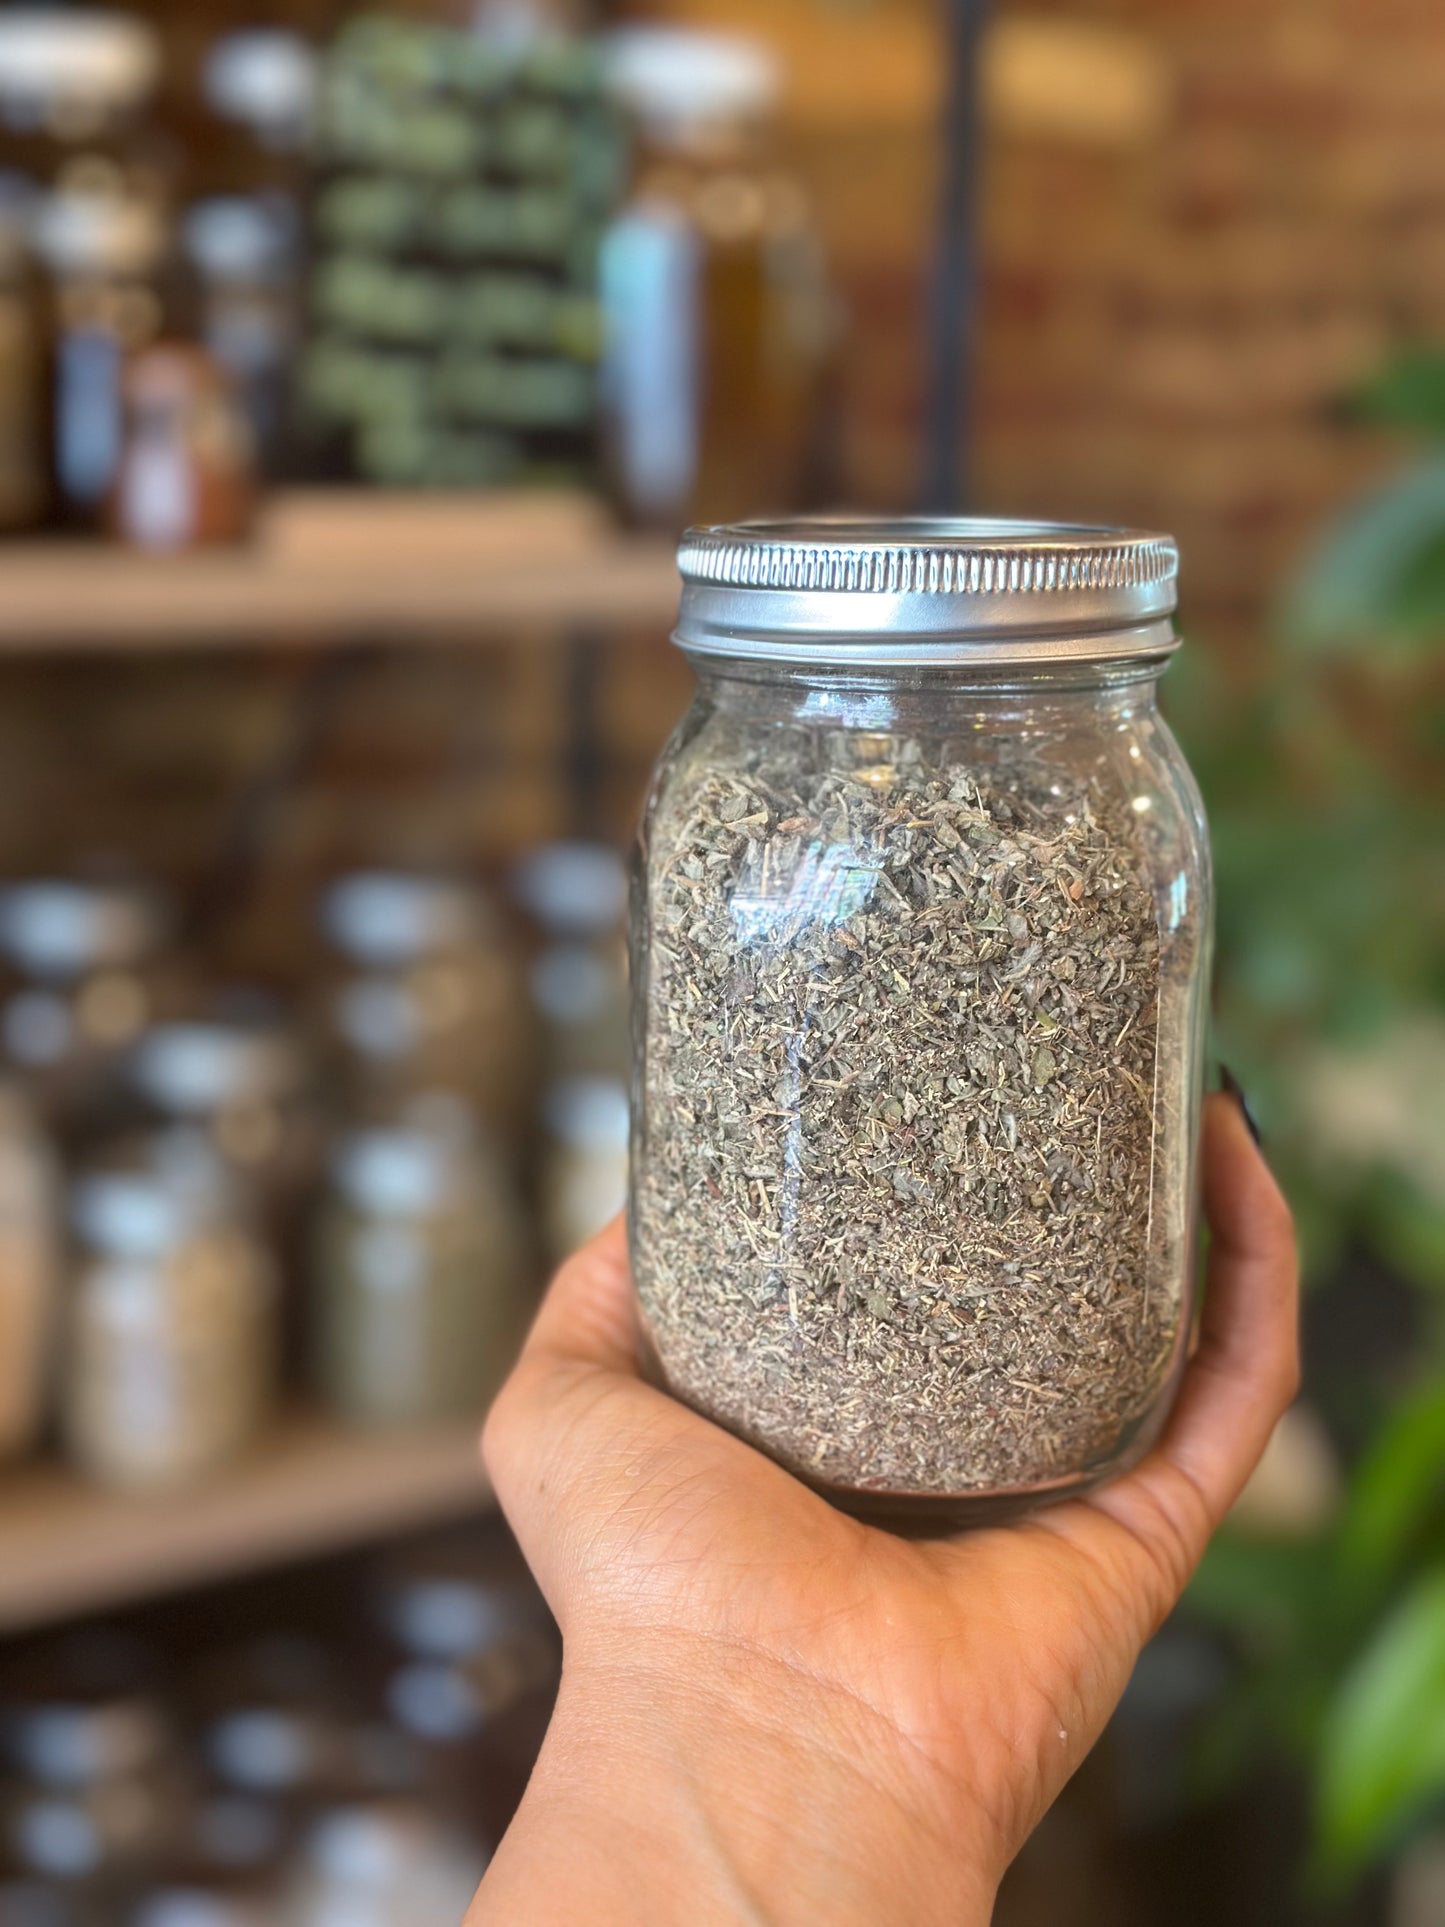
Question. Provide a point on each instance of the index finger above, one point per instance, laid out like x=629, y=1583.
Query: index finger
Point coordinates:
x=1245, y=1371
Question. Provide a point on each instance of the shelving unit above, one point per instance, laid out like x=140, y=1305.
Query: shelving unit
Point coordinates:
x=348, y=568
x=324, y=569
x=313, y=1487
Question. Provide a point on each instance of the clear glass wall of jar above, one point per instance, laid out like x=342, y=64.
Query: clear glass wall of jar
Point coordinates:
x=420, y=1275
x=171, y=1342
x=920, y=956
x=718, y=316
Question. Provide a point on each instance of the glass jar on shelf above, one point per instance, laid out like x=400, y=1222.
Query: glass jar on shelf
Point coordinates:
x=472, y=1667
x=717, y=312
x=24, y=373
x=29, y=1271
x=185, y=476
x=171, y=1341
x=421, y=1272
x=244, y=230
x=382, y=1864
x=585, y=1160
x=245, y=256
x=259, y=85
x=576, y=893
x=242, y=1082
x=430, y=996
x=88, y=957
x=75, y=84
x=96, y=1788
x=105, y=250
x=920, y=953
x=78, y=145
x=199, y=1896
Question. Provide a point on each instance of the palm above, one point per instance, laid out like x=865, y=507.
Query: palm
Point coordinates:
x=994, y=1657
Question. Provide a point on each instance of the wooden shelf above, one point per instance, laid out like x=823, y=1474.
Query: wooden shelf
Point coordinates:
x=347, y=568
x=313, y=1487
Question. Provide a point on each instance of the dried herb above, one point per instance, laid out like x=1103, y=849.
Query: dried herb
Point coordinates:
x=902, y=1215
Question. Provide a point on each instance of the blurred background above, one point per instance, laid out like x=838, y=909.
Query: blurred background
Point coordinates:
x=357, y=366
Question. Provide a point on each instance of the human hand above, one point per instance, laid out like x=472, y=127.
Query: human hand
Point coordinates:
x=773, y=1713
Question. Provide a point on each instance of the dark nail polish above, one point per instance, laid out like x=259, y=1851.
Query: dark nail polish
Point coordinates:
x=1230, y=1083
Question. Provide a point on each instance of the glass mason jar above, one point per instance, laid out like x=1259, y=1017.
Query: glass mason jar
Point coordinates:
x=921, y=942
x=421, y=1273
x=717, y=309
x=170, y=1355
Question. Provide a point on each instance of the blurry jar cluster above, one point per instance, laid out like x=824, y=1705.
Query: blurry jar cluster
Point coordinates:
x=148, y=296
x=280, y=1779
x=205, y=1206
x=414, y=256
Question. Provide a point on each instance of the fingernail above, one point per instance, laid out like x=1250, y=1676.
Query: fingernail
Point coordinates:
x=1229, y=1082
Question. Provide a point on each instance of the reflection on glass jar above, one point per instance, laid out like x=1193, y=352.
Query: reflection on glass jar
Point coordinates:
x=421, y=1256
x=171, y=1337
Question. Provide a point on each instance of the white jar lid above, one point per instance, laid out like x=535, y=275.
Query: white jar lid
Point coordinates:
x=673, y=77
x=129, y=1214
x=61, y=930
x=104, y=60
x=573, y=889
x=91, y=233
x=589, y=1113
x=265, y=1750
x=265, y=77
x=197, y=1907
x=384, y=918
x=395, y=1173
x=239, y=237
x=366, y=1845
x=74, y=1745
x=195, y=1070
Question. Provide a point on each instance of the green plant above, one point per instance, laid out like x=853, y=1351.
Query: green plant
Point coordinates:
x=1326, y=786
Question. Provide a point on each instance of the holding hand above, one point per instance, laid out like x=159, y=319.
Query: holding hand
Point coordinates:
x=773, y=1713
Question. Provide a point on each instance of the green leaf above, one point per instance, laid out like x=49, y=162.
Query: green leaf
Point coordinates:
x=1409, y=392
x=1374, y=573
x=1396, y=1488
x=1382, y=1757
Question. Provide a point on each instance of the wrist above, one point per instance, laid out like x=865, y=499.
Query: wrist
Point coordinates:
x=693, y=1781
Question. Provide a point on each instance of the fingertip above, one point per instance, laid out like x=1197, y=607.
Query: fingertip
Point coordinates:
x=1244, y=1206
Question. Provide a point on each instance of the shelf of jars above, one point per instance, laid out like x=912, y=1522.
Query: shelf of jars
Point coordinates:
x=312, y=1486
x=348, y=566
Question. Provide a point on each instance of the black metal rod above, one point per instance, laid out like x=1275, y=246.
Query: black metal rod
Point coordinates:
x=948, y=439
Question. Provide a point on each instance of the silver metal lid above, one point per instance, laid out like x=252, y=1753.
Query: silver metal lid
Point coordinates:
x=927, y=592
